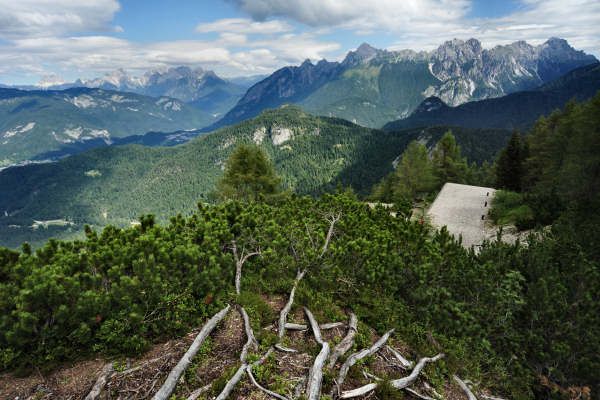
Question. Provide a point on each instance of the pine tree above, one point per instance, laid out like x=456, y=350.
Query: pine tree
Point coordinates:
x=249, y=175
x=449, y=164
x=510, y=164
x=414, y=175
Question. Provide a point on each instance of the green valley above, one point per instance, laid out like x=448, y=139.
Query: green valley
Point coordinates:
x=115, y=185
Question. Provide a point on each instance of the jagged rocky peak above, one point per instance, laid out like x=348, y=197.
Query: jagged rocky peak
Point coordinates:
x=459, y=50
x=431, y=103
x=365, y=50
x=364, y=53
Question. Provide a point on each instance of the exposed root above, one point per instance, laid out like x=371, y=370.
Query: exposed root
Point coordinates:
x=315, y=376
x=354, y=358
x=396, y=383
x=171, y=381
x=465, y=388
x=346, y=343
x=107, y=372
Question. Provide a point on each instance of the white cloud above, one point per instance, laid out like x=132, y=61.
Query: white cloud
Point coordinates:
x=424, y=24
x=19, y=18
x=245, y=26
x=357, y=14
x=93, y=55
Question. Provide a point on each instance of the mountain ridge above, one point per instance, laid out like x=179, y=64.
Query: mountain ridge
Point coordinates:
x=372, y=86
x=36, y=122
x=517, y=110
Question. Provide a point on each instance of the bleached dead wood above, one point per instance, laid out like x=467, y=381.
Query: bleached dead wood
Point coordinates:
x=332, y=221
x=231, y=383
x=488, y=397
x=102, y=380
x=315, y=375
x=198, y=392
x=262, y=388
x=255, y=382
x=239, y=263
x=396, y=383
x=417, y=394
x=301, y=327
x=250, y=343
x=404, y=363
x=284, y=349
x=346, y=343
x=171, y=381
x=432, y=390
x=288, y=306
x=464, y=387
x=354, y=358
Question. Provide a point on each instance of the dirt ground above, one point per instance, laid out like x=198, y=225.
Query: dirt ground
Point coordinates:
x=141, y=377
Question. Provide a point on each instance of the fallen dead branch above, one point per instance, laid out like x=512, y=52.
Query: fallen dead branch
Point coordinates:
x=354, y=358
x=396, y=383
x=464, y=387
x=301, y=327
x=404, y=363
x=346, y=343
x=198, y=392
x=288, y=306
x=315, y=375
x=250, y=343
x=171, y=381
x=102, y=380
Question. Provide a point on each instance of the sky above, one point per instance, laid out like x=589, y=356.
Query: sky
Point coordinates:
x=62, y=40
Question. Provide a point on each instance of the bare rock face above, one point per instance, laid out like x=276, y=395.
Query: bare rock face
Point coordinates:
x=395, y=82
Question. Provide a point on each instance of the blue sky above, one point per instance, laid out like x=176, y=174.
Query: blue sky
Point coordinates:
x=66, y=39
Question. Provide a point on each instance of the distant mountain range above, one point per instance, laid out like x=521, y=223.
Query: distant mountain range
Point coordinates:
x=515, y=111
x=33, y=123
x=372, y=87
x=198, y=87
x=116, y=184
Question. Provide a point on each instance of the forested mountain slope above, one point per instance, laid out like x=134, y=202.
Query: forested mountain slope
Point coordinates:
x=33, y=123
x=372, y=86
x=514, y=111
x=117, y=184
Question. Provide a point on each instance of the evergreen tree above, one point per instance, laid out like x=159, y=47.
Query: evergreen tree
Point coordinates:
x=249, y=175
x=449, y=164
x=510, y=164
x=414, y=175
